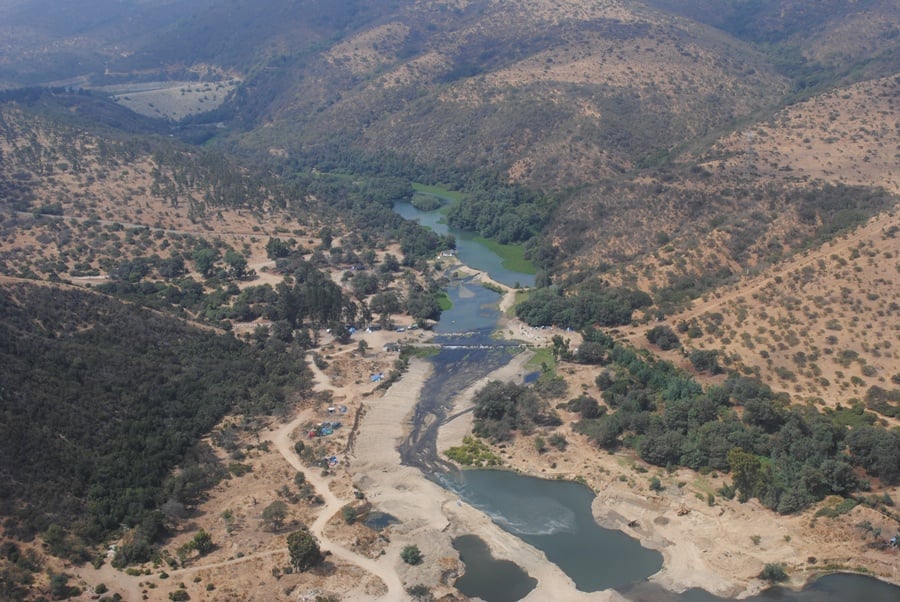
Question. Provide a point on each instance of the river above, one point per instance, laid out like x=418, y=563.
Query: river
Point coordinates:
x=468, y=249
x=553, y=516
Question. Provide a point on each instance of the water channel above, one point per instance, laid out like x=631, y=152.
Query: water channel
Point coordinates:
x=553, y=516
x=468, y=249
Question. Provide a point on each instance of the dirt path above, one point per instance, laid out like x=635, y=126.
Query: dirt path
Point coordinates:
x=281, y=438
x=323, y=382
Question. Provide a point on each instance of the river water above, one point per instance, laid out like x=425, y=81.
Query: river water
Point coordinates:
x=553, y=516
x=470, y=251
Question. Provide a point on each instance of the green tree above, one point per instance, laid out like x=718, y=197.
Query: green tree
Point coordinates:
x=350, y=513
x=663, y=337
x=385, y=304
x=745, y=468
x=389, y=264
x=205, y=259
x=561, y=348
x=274, y=514
x=422, y=306
x=304, y=550
x=237, y=263
x=203, y=542
x=326, y=234
x=774, y=573
x=59, y=587
x=411, y=554
x=364, y=283
x=277, y=248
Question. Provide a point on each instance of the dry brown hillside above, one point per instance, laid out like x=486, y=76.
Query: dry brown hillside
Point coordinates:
x=548, y=92
x=823, y=326
x=849, y=136
x=758, y=195
x=77, y=204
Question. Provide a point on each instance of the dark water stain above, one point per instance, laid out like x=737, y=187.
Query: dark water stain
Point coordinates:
x=379, y=520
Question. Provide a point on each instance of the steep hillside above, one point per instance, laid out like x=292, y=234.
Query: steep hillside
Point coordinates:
x=44, y=41
x=849, y=135
x=812, y=39
x=751, y=198
x=616, y=108
x=822, y=326
x=101, y=400
x=545, y=92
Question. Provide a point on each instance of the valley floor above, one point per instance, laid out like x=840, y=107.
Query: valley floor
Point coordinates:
x=719, y=547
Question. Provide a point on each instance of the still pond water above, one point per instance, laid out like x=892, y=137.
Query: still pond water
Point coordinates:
x=555, y=517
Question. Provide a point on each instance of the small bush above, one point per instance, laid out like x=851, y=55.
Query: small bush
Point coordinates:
x=349, y=513
x=663, y=337
x=411, y=554
x=774, y=573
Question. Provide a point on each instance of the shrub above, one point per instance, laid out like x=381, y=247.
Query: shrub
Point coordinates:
x=774, y=573
x=558, y=440
x=411, y=554
x=663, y=337
x=349, y=513
x=420, y=593
x=705, y=360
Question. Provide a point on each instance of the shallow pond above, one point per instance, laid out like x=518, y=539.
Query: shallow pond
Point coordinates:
x=488, y=578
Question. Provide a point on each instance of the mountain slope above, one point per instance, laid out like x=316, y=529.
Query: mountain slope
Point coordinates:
x=545, y=92
x=45, y=41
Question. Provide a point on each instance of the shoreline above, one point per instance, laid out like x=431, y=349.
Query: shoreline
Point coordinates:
x=703, y=546
x=430, y=516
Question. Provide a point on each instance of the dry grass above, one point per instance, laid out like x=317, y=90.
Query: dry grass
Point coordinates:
x=823, y=326
x=174, y=100
x=851, y=136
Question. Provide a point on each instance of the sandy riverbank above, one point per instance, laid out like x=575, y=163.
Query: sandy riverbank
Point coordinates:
x=720, y=547
x=430, y=516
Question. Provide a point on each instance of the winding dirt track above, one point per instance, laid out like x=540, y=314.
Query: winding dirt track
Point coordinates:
x=381, y=568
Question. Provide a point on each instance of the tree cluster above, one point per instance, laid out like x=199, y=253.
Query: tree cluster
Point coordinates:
x=507, y=214
x=99, y=402
x=786, y=456
x=581, y=307
x=501, y=408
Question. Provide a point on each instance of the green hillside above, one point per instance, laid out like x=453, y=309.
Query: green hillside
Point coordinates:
x=101, y=400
